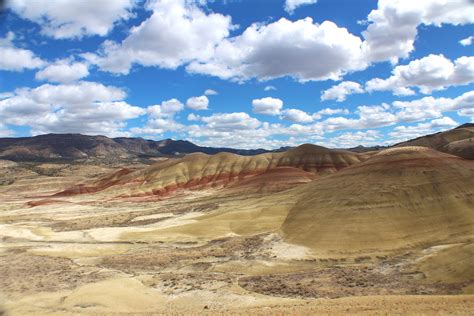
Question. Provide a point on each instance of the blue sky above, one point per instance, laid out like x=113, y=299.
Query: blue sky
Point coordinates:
x=237, y=73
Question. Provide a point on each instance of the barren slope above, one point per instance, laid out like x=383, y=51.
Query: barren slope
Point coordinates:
x=276, y=171
x=400, y=197
x=392, y=234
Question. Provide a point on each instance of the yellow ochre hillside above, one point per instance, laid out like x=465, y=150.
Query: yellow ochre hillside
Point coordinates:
x=400, y=197
x=198, y=170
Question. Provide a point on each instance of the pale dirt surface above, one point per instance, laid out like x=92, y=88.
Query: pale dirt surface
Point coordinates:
x=202, y=252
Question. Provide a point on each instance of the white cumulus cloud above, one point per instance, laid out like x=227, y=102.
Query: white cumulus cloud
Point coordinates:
x=291, y=5
x=297, y=116
x=341, y=91
x=267, y=106
x=329, y=111
x=466, y=41
x=198, y=103
x=369, y=117
x=352, y=139
x=393, y=25
x=269, y=88
x=84, y=107
x=301, y=49
x=433, y=72
x=62, y=19
x=176, y=33
x=230, y=121
x=17, y=59
x=166, y=109
x=402, y=132
x=161, y=119
x=210, y=92
x=63, y=71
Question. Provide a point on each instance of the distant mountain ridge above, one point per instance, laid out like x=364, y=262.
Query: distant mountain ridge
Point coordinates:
x=53, y=147
x=78, y=146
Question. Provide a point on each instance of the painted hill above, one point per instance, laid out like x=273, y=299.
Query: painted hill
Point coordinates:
x=275, y=170
x=458, y=141
x=399, y=197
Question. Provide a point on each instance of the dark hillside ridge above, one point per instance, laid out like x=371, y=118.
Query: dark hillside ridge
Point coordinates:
x=79, y=147
x=458, y=141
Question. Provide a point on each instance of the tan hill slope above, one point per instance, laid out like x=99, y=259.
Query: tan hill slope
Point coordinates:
x=275, y=171
x=400, y=197
x=458, y=141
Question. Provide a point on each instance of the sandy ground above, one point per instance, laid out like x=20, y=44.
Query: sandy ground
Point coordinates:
x=203, y=253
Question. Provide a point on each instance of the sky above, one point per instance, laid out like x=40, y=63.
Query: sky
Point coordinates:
x=237, y=73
